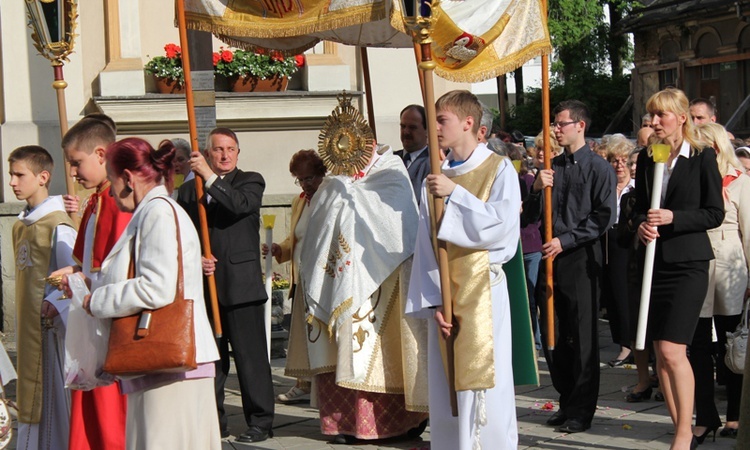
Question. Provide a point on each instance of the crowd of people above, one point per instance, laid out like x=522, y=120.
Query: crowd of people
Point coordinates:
x=369, y=332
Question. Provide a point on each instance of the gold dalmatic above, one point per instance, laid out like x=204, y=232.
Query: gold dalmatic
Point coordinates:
x=32, y=245
x=472, y=296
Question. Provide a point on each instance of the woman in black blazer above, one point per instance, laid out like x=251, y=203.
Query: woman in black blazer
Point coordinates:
x=691, y=203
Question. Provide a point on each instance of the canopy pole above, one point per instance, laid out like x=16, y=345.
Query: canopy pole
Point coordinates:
x=368, y=90
x=199, y=194
x=548, y=263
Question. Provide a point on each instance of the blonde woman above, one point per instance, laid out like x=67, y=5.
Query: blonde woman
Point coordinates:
x=691, y=203
x=729, y=275
x=554, y=148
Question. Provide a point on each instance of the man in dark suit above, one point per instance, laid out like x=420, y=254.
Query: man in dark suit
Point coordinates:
x=584, y=204
x=233, y=212
x=415, y=155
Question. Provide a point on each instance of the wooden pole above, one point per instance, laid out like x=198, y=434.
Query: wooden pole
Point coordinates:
x=501, y=100
x=59, y=85
x=199, y=195
x=418, y=57
x=427, y=65
x=550, y=300
x=368, y=91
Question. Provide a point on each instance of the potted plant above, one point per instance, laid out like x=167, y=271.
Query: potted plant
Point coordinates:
x=281, y=304
x=251, y=71
x=167, y=70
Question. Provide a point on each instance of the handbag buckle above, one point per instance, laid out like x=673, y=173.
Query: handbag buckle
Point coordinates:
x=144, y=323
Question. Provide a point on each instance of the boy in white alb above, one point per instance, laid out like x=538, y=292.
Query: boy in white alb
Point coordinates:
x=43, y=241
x=481, y=228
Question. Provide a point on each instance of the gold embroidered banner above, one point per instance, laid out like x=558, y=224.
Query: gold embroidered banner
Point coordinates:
x=468, y=46
x=471, y=47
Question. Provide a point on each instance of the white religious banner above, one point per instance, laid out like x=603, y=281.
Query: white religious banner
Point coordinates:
x=467, y=47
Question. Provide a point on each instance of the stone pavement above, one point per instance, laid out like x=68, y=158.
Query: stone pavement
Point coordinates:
x=617, y=424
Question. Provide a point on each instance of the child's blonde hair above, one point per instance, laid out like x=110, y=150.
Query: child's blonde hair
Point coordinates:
x=463, y=104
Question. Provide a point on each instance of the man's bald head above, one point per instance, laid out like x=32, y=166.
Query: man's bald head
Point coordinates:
x=643, y=135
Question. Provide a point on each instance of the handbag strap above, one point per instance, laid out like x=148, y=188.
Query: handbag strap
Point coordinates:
x=745, y=311
x=145, y=319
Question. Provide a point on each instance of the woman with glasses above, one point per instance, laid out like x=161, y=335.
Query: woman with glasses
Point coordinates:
x=308, y=170
x=690, y=203
x=743, y=154
x=615, y=286
x=729, y=278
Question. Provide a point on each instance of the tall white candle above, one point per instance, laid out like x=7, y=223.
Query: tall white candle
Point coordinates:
x=268, y=221
x=660, y=155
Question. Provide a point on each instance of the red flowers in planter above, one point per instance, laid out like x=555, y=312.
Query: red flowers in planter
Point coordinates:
x=172, y=50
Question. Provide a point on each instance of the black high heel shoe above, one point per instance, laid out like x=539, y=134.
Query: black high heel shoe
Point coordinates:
x=694, y=443
x=635, y=397
x=708, y=431
x=728, y=432
x=619, y=362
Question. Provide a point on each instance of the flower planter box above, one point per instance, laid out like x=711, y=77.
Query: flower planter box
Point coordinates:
x=255, y=84
x=167, y=86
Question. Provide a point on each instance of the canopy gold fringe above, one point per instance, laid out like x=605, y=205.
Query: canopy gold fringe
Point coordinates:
x=252, y=47
x=247, y=25
x=497, y=68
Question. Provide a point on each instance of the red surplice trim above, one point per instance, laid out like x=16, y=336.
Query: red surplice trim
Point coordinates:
x=98, y=416
x=110, y=223
x=97, y=419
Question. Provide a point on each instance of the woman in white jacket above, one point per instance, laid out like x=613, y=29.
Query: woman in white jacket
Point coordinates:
x=164, y=410
x=728, y=287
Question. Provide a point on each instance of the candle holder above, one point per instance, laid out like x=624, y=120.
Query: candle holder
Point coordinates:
x=53, y=25
x=660, y=152
x=419, y=17
x=269, y=220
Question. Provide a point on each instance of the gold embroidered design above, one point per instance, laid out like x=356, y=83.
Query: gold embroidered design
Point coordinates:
x=337, y=261
x=357, y=317
x=360, y=336
x=345, y=305
x=344, y=245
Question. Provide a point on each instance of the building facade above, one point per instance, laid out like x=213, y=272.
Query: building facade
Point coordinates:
x=699, y=46
x=105, y=74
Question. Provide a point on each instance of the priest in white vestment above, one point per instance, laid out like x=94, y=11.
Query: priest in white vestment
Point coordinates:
x=365, y=354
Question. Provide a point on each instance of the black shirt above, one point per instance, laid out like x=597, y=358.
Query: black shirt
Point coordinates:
x=584, y=196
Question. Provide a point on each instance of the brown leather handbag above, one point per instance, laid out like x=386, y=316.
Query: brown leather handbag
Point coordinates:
x=154, y=341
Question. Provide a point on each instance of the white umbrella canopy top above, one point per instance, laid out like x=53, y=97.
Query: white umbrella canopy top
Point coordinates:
x=473, y=40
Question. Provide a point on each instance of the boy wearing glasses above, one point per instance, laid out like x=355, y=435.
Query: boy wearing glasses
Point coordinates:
x=583, y=208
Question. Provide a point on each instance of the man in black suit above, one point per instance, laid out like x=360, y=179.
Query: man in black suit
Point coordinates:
x=233, y=212
x=415, y=155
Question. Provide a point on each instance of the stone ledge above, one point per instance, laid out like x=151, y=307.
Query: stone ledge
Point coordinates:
x=11, y=208
x=254, y=111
